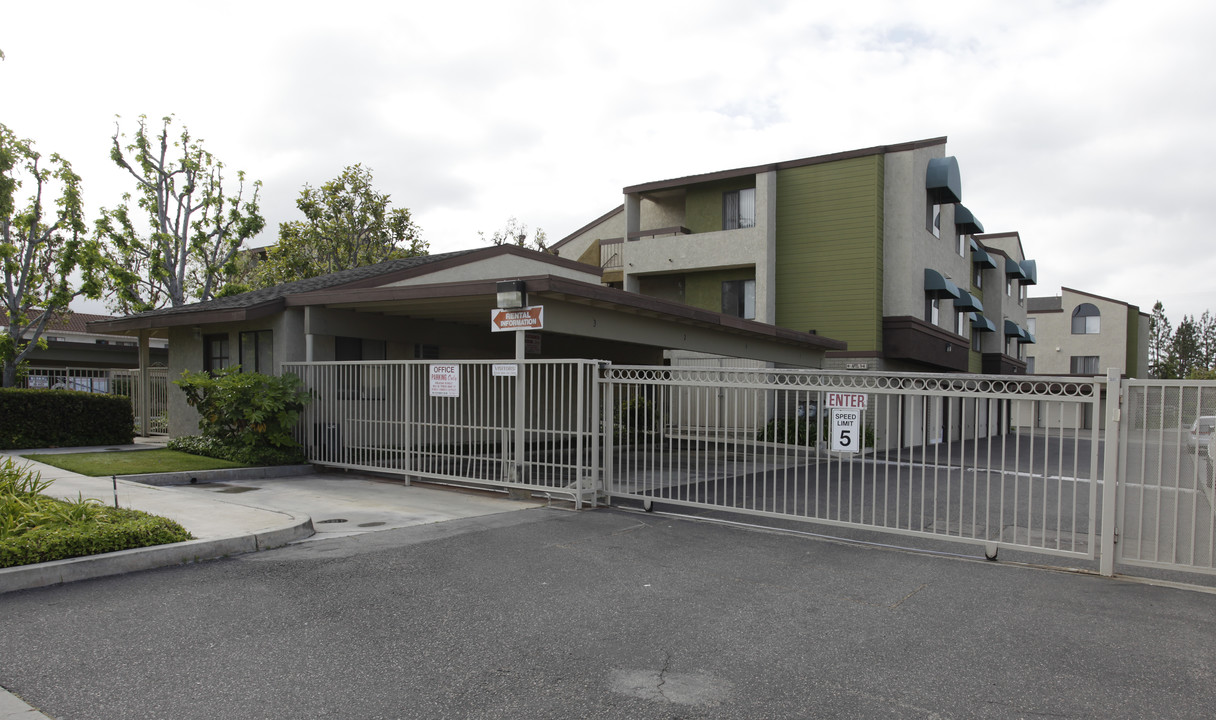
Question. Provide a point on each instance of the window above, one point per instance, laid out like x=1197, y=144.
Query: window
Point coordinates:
x=1030, y=325
x=1083, y=365
x=1009, y=286
x=1021, y=294
x=976, y=338
x=977, y=276
x=215, y=352
x=353, y=348
x=1030, y=366
x=933, y=218
x=739, y=209
x=933, y=310
x=962, y=245
x=257, y=352
x=426, y=352
x=960, y=323
x=1086, y=320
x=739, y=299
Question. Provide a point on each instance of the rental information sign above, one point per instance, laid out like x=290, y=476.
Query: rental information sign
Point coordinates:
x=847, y=411
x=529, y=318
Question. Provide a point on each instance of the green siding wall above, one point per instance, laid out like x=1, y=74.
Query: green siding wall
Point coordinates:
x=1133, y=341
x=829, y=250
x=703, y=203
x=704, y=289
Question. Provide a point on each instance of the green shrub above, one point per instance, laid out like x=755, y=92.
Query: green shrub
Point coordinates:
x=63, y=418
x=213, y=448
x=37, y=528
x=244, y=417
x=112, y=529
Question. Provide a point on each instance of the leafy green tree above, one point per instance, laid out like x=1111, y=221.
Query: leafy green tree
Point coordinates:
x=1160, y=338
x=196, y=223
x=43, y=241
x=515, y=232
x=346, y=224
x=1186, y=350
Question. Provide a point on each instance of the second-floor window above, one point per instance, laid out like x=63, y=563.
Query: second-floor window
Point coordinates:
x=933, y=310
x=739, y=209
x=1083, y=365
x=739, y=299
x=1086, y=320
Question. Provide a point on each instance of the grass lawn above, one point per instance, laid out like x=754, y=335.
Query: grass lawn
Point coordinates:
x=131, y=462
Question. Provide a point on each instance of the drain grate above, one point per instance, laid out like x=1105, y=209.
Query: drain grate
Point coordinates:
x=333, y=520
x=378, y=523
x=235, y=489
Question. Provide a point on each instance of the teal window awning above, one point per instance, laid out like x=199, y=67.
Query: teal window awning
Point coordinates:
x=943, y=181
x=1012, y=329
x=967, y=301
x=979, y=323
x=1030, y=272
x=1014, y=269
x=1026, y=338
x=965, y=222
x=939, y=287
x=980, y=256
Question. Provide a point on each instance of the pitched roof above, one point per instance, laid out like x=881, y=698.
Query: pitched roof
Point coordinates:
x=73, y=322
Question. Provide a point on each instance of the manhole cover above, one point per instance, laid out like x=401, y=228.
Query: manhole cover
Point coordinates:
x=236, y=489
x=378, y=523
x=333, y=520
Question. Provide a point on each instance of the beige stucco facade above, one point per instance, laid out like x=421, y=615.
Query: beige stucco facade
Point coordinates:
x=1120, y=342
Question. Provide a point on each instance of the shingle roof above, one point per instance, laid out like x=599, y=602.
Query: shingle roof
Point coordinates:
x=321, y=282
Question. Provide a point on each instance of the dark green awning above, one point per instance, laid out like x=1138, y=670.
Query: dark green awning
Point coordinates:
x=965, y=222
x=1014, y=269
x=967, y=301
x=1012, y=329
x=982, y=258
x=1026, y=338
x=979, y=323
x=1030, y=269
x=943, y=181
x=939, y=287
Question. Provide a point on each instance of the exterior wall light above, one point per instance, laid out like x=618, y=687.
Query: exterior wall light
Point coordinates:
x=512, y=294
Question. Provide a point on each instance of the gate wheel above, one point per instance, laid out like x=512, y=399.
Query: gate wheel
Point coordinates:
x=648, y=505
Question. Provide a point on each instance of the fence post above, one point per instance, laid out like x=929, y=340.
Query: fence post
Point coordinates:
x=1110, y=469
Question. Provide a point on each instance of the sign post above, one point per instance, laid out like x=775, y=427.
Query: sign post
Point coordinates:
x=514, y=315
x=848, y=412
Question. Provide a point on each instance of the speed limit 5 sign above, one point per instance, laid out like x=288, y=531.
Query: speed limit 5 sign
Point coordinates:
x=846, y=430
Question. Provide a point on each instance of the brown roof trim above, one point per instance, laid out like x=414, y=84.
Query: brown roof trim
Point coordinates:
x=485, y=254
x=784, y=165
x=618, y=209
x=202, y=316
x=563, y=286
x=1100, y=297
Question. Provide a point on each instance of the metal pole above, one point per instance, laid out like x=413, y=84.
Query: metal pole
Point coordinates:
x=1110, y=470
x=519, y=406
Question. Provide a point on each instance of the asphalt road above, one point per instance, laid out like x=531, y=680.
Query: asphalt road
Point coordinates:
x=548, y=613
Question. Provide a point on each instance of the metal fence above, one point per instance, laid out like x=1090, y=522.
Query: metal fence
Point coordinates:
x=1000, y=462
x=530, y=425
x=1165, y=501
x=111, y=381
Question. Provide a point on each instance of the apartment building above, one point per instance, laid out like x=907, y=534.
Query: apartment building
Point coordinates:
x=871, y=246
x=1080, y=333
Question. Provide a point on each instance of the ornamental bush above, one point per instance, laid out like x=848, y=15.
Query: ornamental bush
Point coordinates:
x=245, y=417
x=63, y=418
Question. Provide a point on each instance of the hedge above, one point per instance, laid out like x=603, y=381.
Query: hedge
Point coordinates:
x=63, y=418
x=120, y=529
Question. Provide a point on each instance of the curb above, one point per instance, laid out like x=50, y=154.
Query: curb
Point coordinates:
x=192, y=477
x=56, y=572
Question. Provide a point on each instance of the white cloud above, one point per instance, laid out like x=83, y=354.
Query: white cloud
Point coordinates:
x=1083, y=125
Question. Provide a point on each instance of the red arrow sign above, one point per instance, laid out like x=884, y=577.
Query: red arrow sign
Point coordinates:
x=529, y=318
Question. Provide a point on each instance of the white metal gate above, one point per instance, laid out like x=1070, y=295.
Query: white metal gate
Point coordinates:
x=995, y=461
x=531, y=425
x=1166, y=517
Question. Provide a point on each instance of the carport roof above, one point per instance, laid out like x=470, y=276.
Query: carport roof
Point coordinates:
x=364, y=289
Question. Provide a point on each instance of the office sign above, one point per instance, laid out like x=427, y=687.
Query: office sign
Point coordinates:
x=445, y=380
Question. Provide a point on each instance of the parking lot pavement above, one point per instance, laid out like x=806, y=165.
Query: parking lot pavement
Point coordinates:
x=606, y=614
x=351, y=503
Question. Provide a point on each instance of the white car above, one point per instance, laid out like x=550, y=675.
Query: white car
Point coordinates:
x=1200, y=434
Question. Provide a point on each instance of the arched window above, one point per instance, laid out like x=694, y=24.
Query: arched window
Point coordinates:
x=1086, y=320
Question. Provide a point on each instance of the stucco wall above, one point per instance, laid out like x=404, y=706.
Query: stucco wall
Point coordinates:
x=1054, y=330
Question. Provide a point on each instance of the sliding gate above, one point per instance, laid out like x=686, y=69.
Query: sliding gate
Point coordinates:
x=532, y=425
x=1000, y=462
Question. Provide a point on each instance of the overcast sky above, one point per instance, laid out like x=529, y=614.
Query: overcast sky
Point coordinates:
x=1085, y=126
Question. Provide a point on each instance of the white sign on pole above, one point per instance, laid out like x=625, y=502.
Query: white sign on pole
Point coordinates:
x=445, y=381
x=846, y=430
x=506, y=370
